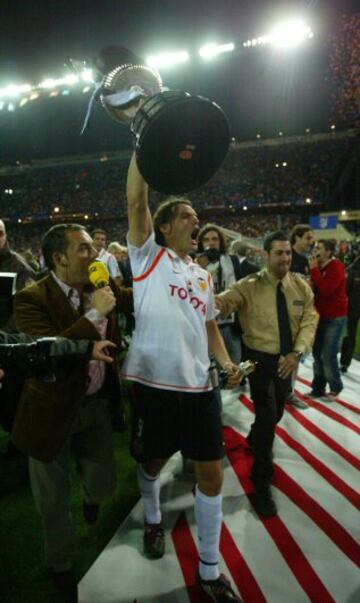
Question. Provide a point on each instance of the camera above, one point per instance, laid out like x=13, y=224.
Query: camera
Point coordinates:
x=33, y=358
x=213, y=255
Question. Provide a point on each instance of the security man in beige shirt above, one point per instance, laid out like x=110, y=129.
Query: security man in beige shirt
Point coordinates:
x=278, y=321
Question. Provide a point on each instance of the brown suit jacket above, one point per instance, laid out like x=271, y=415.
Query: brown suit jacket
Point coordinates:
x=46, y=411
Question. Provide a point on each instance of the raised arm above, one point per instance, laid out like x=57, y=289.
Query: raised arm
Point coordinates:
x=140, y=222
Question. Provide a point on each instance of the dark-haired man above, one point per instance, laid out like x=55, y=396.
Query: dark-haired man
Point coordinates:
x=278, y=320
x=328, y=277
x=72, y=413
x=302, y=242
x=168, y=360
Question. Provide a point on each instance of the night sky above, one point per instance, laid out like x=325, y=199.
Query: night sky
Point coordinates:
x=260, y=90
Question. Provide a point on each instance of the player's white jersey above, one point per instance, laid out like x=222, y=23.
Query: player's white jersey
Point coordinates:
x=173, y=300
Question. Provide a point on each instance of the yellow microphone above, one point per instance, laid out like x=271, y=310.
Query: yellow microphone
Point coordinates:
x=98, y=274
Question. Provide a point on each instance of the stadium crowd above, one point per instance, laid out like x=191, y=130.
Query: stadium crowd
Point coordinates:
x=294, y=177
x=345, y=70
x=251, y=175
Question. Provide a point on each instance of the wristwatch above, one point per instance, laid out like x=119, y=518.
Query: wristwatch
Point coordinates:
x=298, y=354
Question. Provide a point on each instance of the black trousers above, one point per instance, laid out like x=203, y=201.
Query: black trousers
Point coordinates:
x=269, y=393
x=348, y=344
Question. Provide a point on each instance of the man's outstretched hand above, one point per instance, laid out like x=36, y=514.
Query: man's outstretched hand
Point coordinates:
x=100, y=351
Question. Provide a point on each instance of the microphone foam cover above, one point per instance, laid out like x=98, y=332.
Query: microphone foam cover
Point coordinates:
x=98, y=274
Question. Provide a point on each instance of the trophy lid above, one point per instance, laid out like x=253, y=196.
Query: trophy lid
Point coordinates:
x=126, y=84
x=111, y=57
x=122, y=79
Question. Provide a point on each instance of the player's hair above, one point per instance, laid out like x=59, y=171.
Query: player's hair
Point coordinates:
x=165, y=214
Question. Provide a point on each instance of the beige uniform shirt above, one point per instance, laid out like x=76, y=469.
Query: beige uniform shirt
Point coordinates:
x=254, y=298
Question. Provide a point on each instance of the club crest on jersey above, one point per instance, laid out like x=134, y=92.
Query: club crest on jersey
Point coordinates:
x=202, y=284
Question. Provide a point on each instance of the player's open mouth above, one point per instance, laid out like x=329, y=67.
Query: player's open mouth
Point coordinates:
x=195, y=234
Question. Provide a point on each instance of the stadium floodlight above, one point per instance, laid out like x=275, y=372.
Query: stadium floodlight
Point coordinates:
x=167, y=59
x=210, y=51
x=1, y=105
x=70, y=79
x=11, y=108
x=290, y=33
x=14, y=90
x=256, y=42
x=48, y=83
x=87, y=75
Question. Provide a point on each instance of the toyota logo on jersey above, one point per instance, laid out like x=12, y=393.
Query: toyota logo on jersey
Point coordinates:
x=183, y=295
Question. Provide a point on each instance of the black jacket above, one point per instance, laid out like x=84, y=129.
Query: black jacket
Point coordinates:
x=247, y=268
x=353, y=287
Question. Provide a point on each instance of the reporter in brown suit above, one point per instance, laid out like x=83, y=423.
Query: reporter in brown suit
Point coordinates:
x=71, y=413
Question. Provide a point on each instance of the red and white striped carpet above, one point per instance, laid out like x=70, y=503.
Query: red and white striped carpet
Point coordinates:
x=309, y=552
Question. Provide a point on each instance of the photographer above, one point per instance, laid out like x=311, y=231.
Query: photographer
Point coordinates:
x=225, y=271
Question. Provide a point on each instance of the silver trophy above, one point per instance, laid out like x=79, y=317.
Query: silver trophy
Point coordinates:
x=180, y=139
x=128, y=83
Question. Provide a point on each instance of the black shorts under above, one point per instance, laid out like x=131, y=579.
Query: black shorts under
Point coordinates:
x=164, y=422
